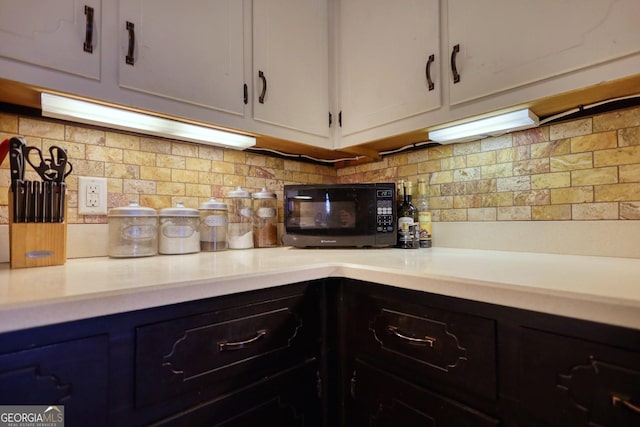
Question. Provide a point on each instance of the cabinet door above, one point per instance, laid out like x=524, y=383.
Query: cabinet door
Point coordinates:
x=379, y=399
x=289, y=399
x=60, y=34
x=73, y=374
x=387, y=50
x=505, y=44
x=290, y=64
x=190, y=51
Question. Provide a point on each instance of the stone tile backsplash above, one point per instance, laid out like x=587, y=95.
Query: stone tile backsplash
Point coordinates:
x=585, y=169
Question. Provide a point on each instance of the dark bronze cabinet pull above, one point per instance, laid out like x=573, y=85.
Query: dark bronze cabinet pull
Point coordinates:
x=264, y=87
x=228, y=346
x=88, y=36
x=246, y=94
x=454, y=68
x=132, y=42
x=432, y=58
x=427, y=341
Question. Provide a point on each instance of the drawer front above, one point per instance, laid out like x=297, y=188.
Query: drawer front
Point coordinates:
x=224, y=348
x=381, y=399
x=450, y=348
x=571, y=382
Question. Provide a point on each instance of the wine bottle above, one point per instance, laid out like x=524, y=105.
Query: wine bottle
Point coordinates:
x=424, y=214
x=407, y=219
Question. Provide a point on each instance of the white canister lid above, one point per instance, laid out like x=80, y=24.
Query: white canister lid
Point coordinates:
x=179, y=210
x=239, y=193
x=213, y=205
x=133, y=209
x=264, y=194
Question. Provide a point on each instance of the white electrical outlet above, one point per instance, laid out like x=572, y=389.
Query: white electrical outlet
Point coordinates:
x=92, y=196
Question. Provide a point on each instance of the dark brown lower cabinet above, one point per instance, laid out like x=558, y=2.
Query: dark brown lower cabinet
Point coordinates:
x=332, y=352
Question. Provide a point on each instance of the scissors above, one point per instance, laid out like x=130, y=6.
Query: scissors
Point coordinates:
x=56, y=168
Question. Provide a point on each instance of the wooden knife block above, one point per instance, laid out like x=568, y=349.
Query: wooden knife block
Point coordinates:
x=36, y=244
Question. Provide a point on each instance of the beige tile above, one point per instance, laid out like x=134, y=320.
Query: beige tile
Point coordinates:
x=440, y=152
x=630, y=210
x=233, y=156
x=551, y=213
x=514, y=213
x=233, y=180
x=619, y=156
x=500, y=170
x=184, y=149
x=183, y=175
x=88, y=168
x=482, y=214
x=139, y=158
x=529, y=167
x=398, y=159
x=593, y=142
x=608, y=175
x=444, y=202
x=40, y=128
x=466, y=174
x=212, y=153
x=453, y=215
x=630, y=173
x=629, y=136
x=467, y=201
x=430, y=166
x=617, y=120
x=155, y=145
x=407, y=170
x=452, y=189
x=121, y=140
x=139, y=186
x=531, y=136
x=594, y=211
x=516, y=183
x=505, y=155
x=8, y=123
x=200, y=165
x=222, y=167
x=571, y=162
x=210, y=178
x=85, y=135
x=481, y=159
x=481, y=186
x=112, y=170
x=496, y=143
x=627, y=192
x=170, y=161
x=170, y=188
x=571, y=129
x=561, y=196
x=456, y=162
x=156, y=202
x=289, y=165
x=532, y=198
x=496, y=199
x=552, y=148
x=418, y=156
x=197, y=190
x=466, y=148
x=441, y=177
x=551, y=180
x=155, y=174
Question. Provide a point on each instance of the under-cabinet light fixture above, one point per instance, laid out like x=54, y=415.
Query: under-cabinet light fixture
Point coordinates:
x=76, y=110
x=482, y=128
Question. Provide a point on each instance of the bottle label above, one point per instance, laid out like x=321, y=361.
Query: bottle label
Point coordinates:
x=404, y=229
x=424, y=219
x=215, y=220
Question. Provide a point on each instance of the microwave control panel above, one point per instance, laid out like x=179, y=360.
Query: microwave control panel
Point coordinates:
x=385, y=222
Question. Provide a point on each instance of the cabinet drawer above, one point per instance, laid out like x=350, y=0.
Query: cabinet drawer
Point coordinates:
x=382, y=399
x=577, y=382
x=223, y=349
x=442, y=347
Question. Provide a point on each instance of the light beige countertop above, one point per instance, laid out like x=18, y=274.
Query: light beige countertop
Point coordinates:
x=601, y=289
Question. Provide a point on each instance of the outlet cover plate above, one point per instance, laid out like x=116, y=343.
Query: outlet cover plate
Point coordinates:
x=92, y=196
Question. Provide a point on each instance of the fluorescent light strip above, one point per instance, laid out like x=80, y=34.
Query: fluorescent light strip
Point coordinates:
x=490, y=126
x=96, y=114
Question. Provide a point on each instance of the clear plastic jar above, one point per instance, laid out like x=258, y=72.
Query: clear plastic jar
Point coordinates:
x=179, y=230
x=133, y=231
x=240, y=219
x=213, y=226
x=265, y=219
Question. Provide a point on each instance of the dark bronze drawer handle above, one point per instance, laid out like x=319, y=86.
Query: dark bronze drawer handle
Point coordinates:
x=88, y=37
x=228, y=346
x=132, y=42
x=426, y=341
x=624, y=402
x=454, y=67
x=432, y=58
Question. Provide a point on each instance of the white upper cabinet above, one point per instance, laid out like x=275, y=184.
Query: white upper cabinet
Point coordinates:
x=506, y=44
x=291, y=66
x=190, y=51
x=63, y=35
x=389, y=61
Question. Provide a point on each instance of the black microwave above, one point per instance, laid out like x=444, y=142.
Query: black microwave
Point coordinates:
x=340, y=215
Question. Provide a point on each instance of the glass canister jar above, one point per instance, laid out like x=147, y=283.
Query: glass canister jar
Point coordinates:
x=133, y=231
x=240, y=219
x=179, y=230
x=213, y=226
x=265, y=219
